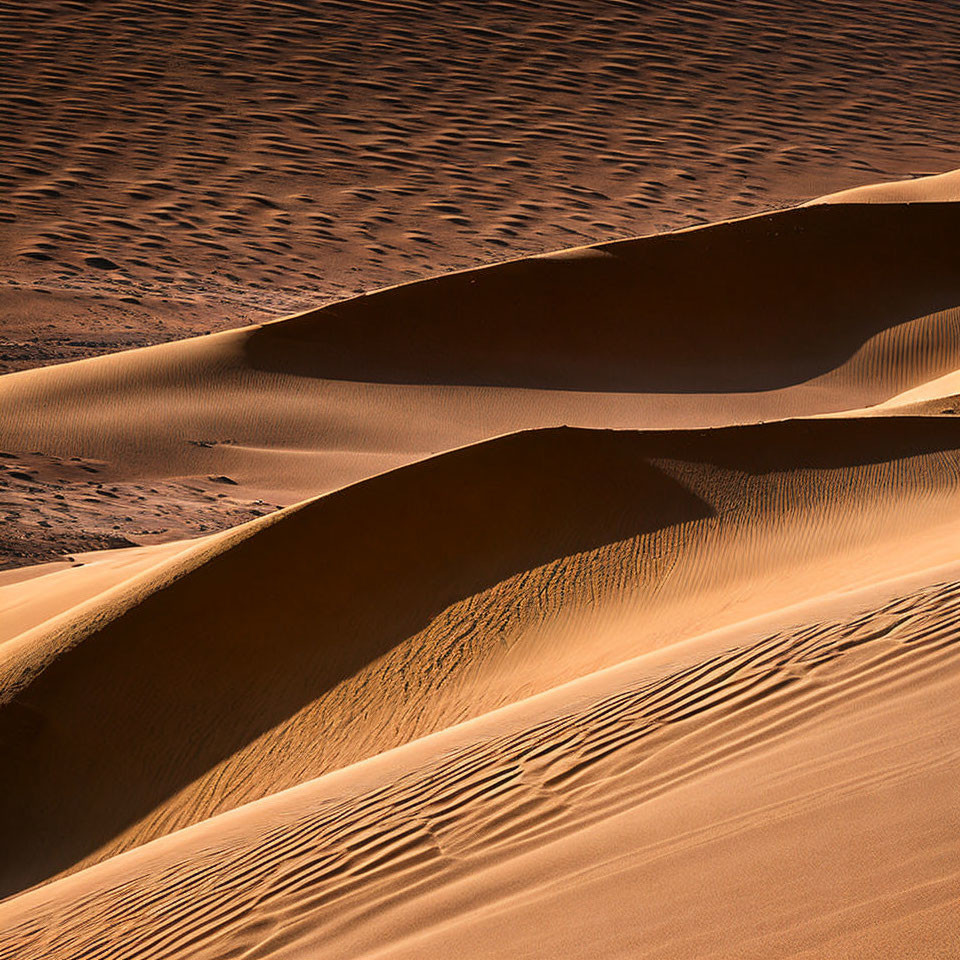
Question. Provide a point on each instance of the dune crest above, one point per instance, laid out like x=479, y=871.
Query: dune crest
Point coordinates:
x=936, y=188
x=462, y=840
x=800, y=313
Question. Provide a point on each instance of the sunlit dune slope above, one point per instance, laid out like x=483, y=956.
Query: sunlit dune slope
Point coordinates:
x=939, y=188
x=32, y=595
x=753, y=798
x=311, y=639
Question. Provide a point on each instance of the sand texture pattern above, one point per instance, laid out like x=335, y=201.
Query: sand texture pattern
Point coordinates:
x=526, y=521
x=507, y=679
x=186, y=167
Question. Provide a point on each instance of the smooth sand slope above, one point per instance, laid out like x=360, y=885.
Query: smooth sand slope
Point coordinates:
x=788, y=793
x=433, y=594
x=939, y=188
x=684, y=687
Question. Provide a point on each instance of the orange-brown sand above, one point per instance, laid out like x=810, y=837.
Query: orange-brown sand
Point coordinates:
x=602, y=602
x=680, y=687
x=168, y=168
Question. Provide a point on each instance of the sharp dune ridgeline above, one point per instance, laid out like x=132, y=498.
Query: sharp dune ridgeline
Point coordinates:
x=805, y=312
x=596, y=603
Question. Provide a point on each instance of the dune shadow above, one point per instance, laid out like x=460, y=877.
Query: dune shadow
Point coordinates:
x=814, y=444
x=748, y=305
x=150, y=702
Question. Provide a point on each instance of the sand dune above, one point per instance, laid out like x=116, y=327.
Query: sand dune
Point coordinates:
x=940, y=188
x=805, y=312
x=748, y=306
x=751, y=799
x=601, y=603
x=473, y=596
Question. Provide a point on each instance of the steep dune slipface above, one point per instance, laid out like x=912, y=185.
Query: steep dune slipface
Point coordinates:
x=233, y=667
x=750, y=305
x=353, y=624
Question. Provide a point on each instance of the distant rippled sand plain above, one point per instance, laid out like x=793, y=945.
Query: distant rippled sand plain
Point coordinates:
x=171, y=168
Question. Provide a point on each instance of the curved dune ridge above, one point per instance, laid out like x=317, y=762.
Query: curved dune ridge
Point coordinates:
x=938, y=188
x=798, y=313
x=740, y=307
x=799, y=759
x=614, y=611
x=427, y=596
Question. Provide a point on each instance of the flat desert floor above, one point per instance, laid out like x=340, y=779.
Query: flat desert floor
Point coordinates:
x=480, y=480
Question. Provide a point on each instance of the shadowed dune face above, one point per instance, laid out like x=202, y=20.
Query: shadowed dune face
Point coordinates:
x=474, y=573
x=750, y=305
x=779, y=762
x=818, y=310
x=827, y=444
